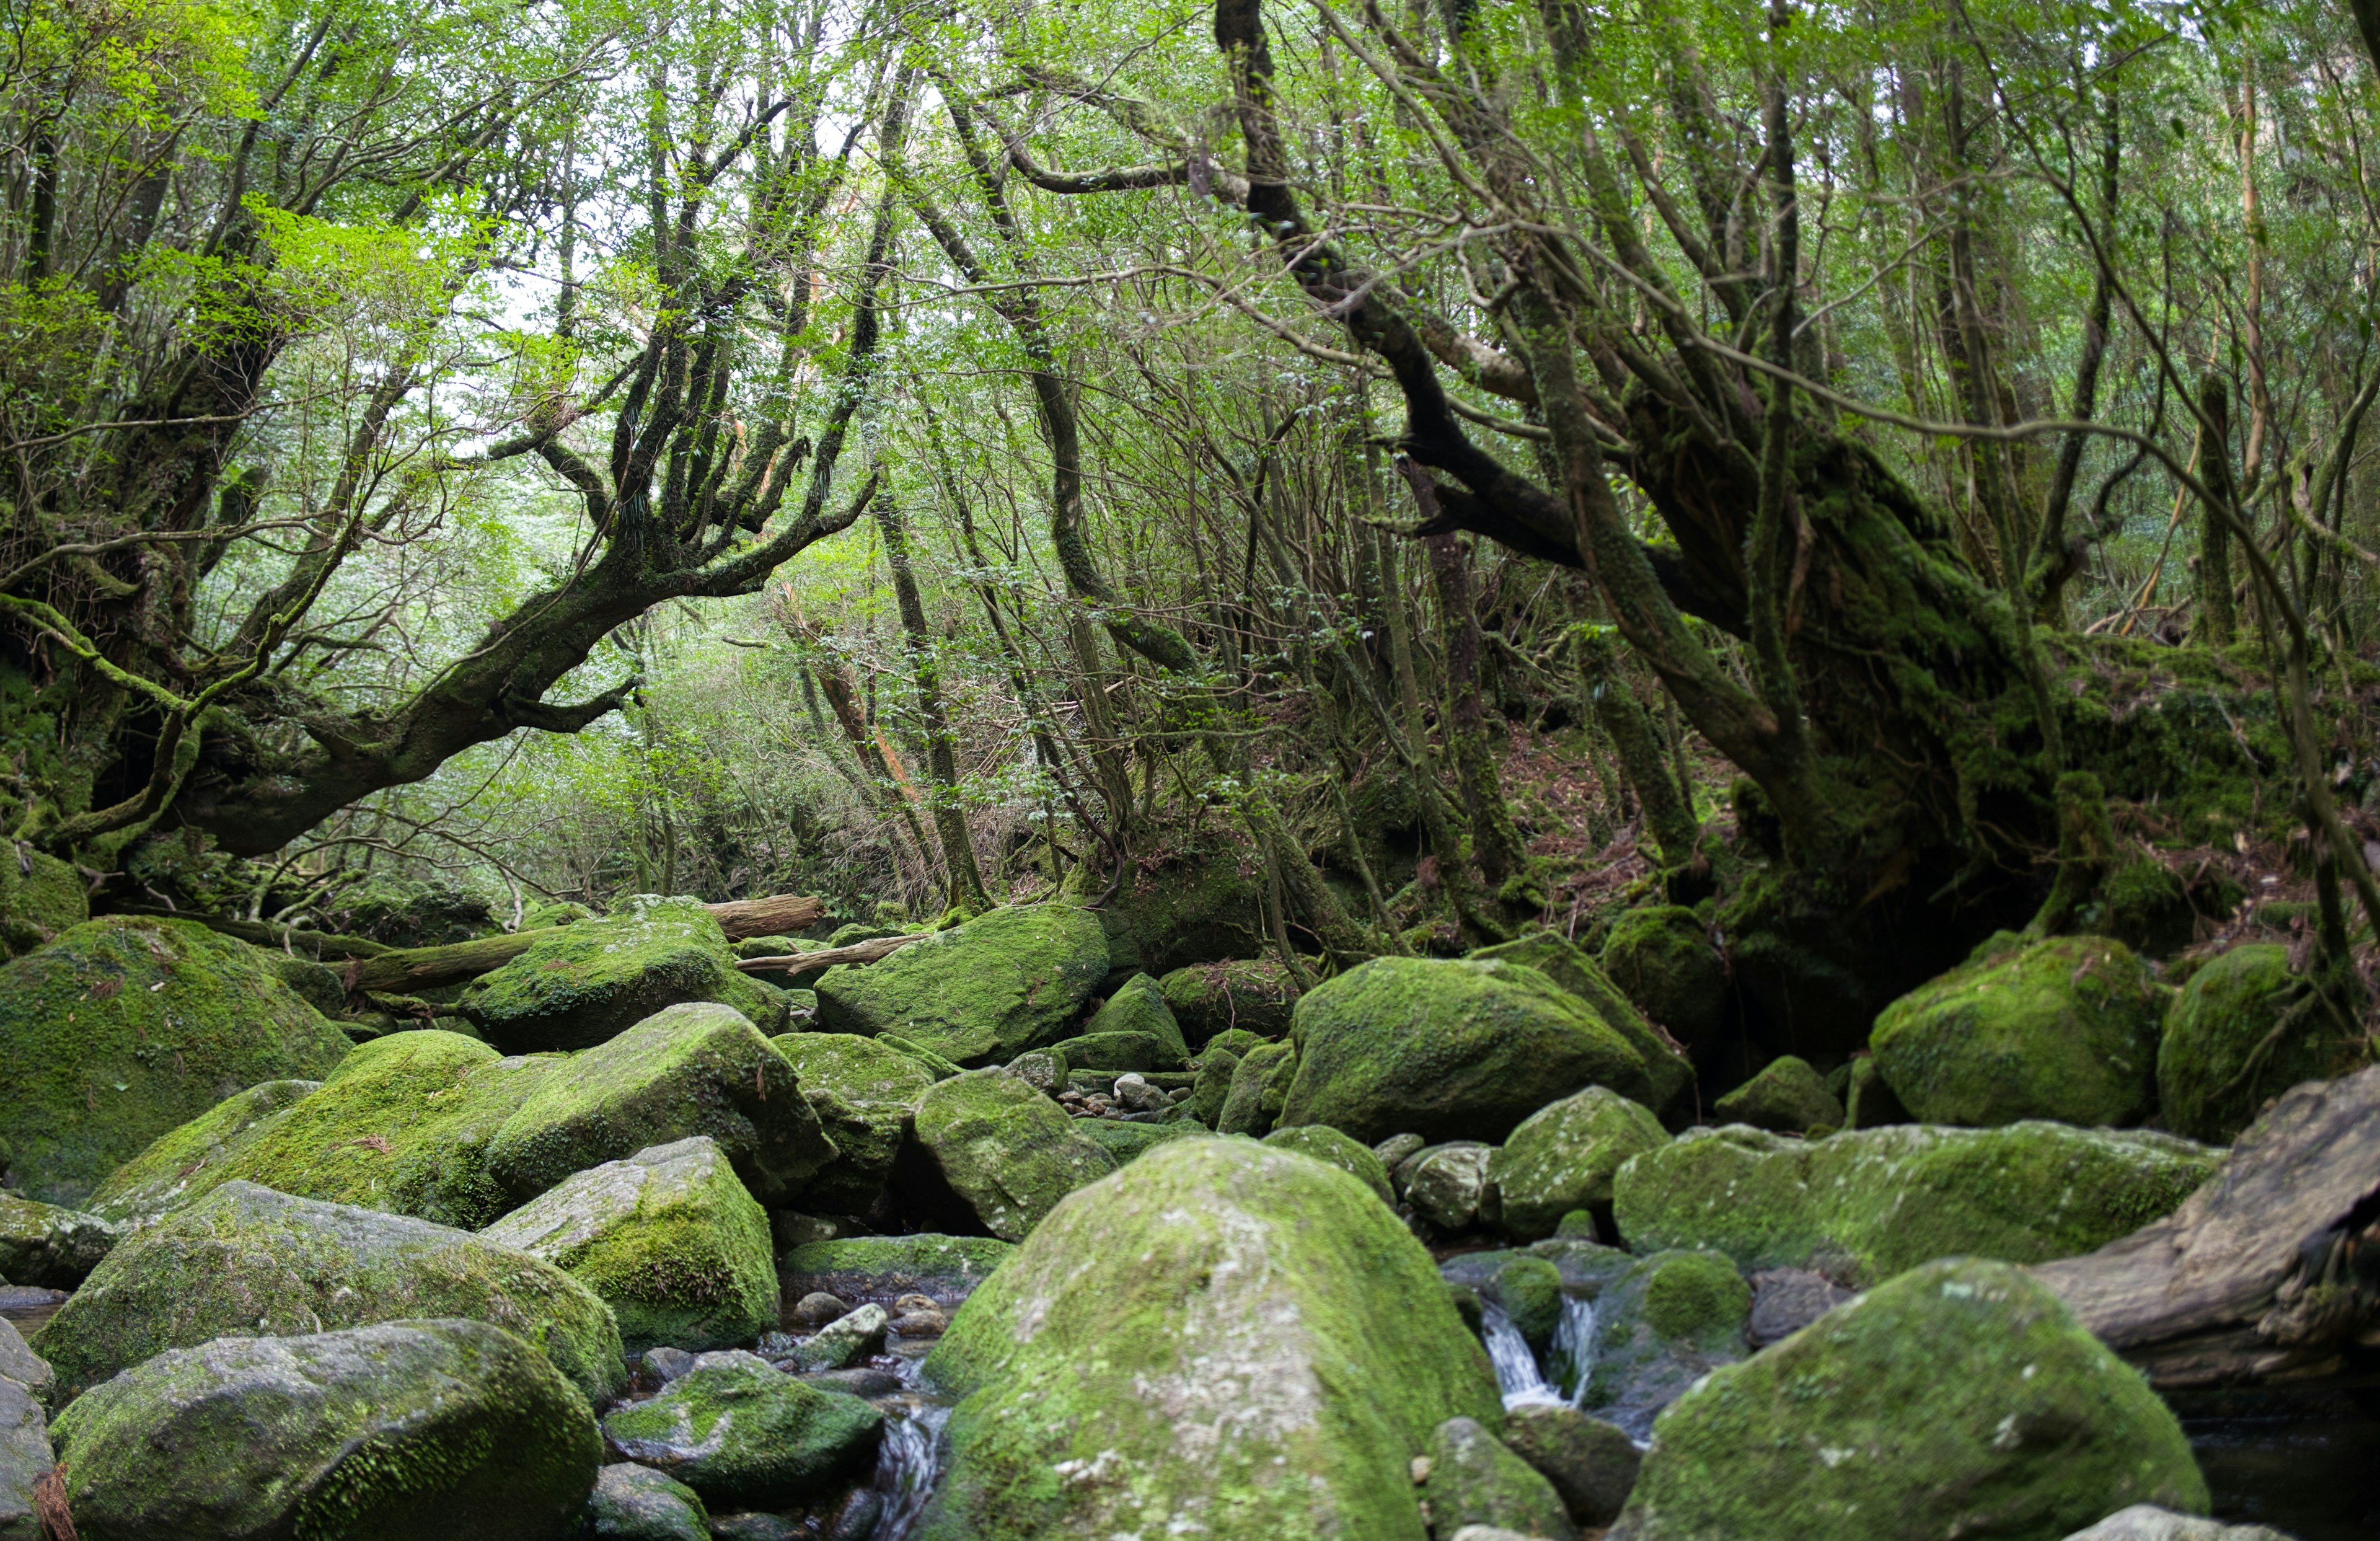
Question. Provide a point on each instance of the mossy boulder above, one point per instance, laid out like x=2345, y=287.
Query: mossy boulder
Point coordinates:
x=695, y=1069
x=403, y=1431
x=1668, y=1321
x=1328, y=1146
x=42, y=1243
x=1218, y=1068
x=577, y=986
x=744, y=1434
x=1529, y=1288
x=1446, y=1050
x=124, y=1029
x=1669, y=1074
x=863, y=1091
x=1448, y=1185
x=1204, y=905
x=248, y=1259
x=1254, y=995
x=1138, y=1006
x=2064, y=1029
x=42, y=899
x=1007, y=1151
x=1591, y=1463
x=1959, y=1399
x=2146, y=905
x=1474, y=1480
x=1121, y=1051
x=669, y=1238
x=1128, y=1142
x=25, y=1458
x=886, y=1267
x=1863, y=1206
x=1787, y=1096
x=165, y=1174
x=1661, y=956
x=1009, y=980
x=1562, y=1157
x=1221, y=1333
x=636, y=1503
x=1259, y=1090
x=2245, y=1030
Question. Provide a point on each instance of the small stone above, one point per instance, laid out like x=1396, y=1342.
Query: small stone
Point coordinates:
x=921, y=1324
x=1420, y=1470
x=636, y=1503
x=856, y=1521
x=1140, y=1097
x=1044, y=1070
x=2146, y=1521
x=1393, y=1150
x=818, y=1309
x=845, y=1341
x=665, y=1365
x=1784, y=1301
x=755, y=1527
x=915, y=1302
x=864, y=1381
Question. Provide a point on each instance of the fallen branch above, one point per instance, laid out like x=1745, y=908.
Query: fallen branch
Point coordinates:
x=406, y=970
x=316, y=945
x=805, y=963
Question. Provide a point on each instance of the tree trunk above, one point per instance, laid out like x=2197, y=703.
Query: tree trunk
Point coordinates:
x=966, y=888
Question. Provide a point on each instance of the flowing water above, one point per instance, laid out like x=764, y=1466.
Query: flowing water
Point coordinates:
x=906, y=1465
x=1570, y=1355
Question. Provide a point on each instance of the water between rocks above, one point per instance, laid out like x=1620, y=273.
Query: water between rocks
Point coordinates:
x=909, y=1461
x=1570, y=1357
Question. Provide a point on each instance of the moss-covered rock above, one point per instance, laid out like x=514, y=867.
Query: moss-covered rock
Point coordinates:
x=863, y=1091
x=886, y=1267
x=1138, y=1006
x=1218, y=1068
x=1221, y=1333
x=1562, y=1157
x=636, y=1503
x=2065, y=1029
x=1661, y=956
x=1668, y=1321
x=1259, y=1090
x=1116, y=1053
x=162, y=1175
x=1865, y=1205
x=405, y=1431
x=941, y=1068
x=1332, y=1148
x=577, y=986
x=1868, y=1102
x=696, y=1069
x=1530, y=1291
x=1591, y=1463
x=744, y=1435
x=669, y=1238
x=2245, y=1030
x=537, y=917
x=1005, y=1149
x=1788, y=1096
x=42, y=899
x=25, y=1459
x=1006, y=981
x=248, y=1259
x=125, y=1028
x=1448, y=1185
x=2146, y=905
x=1959, y=1399
x=1474, y=1480
x=1128, y=1142
x=1252, y=994
x=1446, y=1050
x=1669, y=1074
x=42, y=1243
x=1205, y=904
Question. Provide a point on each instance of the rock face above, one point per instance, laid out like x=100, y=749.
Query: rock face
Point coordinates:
x=1005, y=1149
x=2063, y=1029
x=1220, y=1335
x=985, y=991
x=1446, y=1050
x=1474, y=1480
x=636, y=1503
x=863, y=1092
x=1787, y=1096
x=407, y=1431
x=1667, y=1071
x=669, y=1238
x=1662, y=957
x=886, y=1267
x=577, y=986
x=1958, y=1399
x=1328, y=1146
x=1562, y=1157
x=697, y=1069
x=41, y=1243
x=124, y=1029
x=744, y=1435
x=2226, y=1013
x=248, y=1259
x=25, y=1455
x=1253, y=994
x=20, y=1364
x=1863, y=1206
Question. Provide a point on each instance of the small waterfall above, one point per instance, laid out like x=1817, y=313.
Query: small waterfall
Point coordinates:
x=907, y=1463
x=1570, y=1355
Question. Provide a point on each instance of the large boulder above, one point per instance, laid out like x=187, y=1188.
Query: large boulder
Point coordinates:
x=886, y=1267
x=25, y=1458
x=248, y=1259
x=1009, y=980
x=124, y=1029
x=744, y=1434
x=1960, y=1398
x=1007, y=1151
x=1668, y=1073
x=1220, y=1336
x=576, y=986
x=695, y=1069
x=20, y=1364
x=2063, y=1029
x=1474, y=1480
x=403, y=1431
x=1138, y=1006
x=1259, y=1090
x=1446, y=1050
x=1788, y=1096
x=41, y=898
x=863, y=1092
x=2245, y=1030
x=668, y=1238
x=183, y=1162
x=1663, y=958
x=1562, y=1157
x=1863, y=1206
x=42, y=1243
x=1253, y=994
x=1204, y=903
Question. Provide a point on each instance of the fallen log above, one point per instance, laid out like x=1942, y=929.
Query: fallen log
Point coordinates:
x=316, y=945
x=857, y=953
x=779, y=914
x=405, y=970
x=2271, y=1270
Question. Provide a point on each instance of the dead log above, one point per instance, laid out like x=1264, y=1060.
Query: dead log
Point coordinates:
x=779, y=915
x=317, y=945
x=406, y=970
x=2272, y=1268
x=857, y=953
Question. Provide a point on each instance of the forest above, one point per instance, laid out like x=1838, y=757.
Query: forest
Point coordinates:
x=1470, y=769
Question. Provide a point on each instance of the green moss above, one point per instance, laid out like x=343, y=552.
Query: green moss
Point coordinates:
x=743, y=1434
x=577, y=986
x=1122, y=1051
x=1530, y=1291
x=2145, y=906
x=1138, y=1006
x=863, y=1091
x=1563, y=1157
x=1669, y=1074
x=2244, y=1030
x=162, y=1175
x=637, y=1503
x=1787, y=1096
x=1254, y=995
x=885, y=1268
x=246, y=1259
x=1005, y=1149
x=39, y=905
x=1661, y=956
x=1959, y=1399
x=1128, y=1142
x=1446, y=1050
x=940, y=1068
x=1474, y=1480
x=43, y=1244
x=985, y=991
x=1204, y=903
x=1220, y=1329
x=124, y=1029
x=2065, y=1028
x=1217, y=1069
x=1866, y=1205
x=1326, y=1144
x=1695, y=1295
x=1260, y=1089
